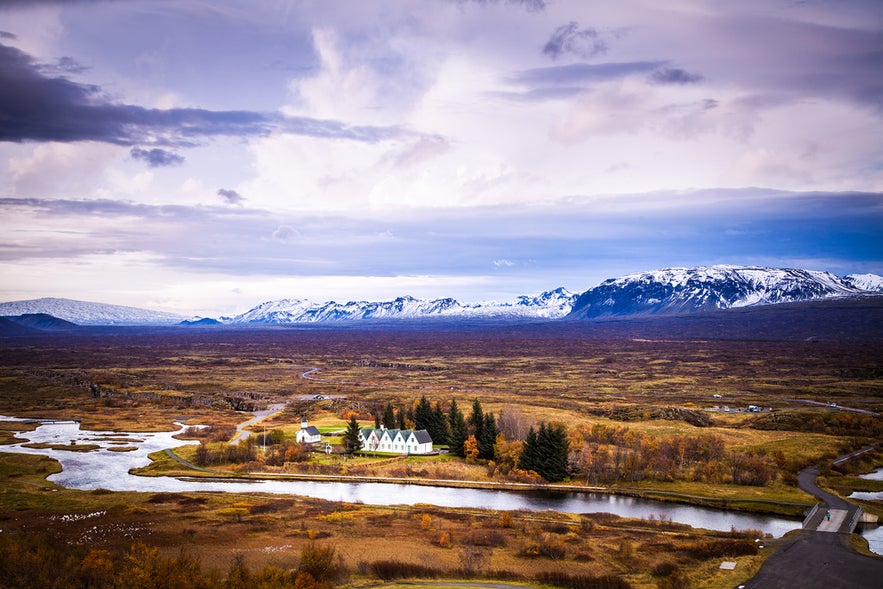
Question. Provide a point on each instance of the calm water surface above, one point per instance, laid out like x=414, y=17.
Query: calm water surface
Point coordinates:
x=103, y=468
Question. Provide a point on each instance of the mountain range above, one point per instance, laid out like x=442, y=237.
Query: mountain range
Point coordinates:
x=672, y=291
x=709, y=288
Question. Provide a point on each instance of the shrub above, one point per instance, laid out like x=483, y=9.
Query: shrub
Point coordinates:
x=547, y=547
x=664, y=569
x=718, y=548
x=443, y=540
x=318, y=562
x=559, y=579
x=484, y=538
x=505, y=520
x=387, y=570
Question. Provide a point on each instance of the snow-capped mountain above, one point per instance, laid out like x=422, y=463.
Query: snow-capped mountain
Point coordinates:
x=548, y=305
x=87, y=313
x=866, y=282
x=686, y=290
x=669, y=291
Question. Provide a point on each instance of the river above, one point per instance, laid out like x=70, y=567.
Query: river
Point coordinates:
x=107, y=469
x=873, y=534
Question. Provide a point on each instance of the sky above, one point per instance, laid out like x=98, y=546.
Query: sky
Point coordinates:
x=203, y=157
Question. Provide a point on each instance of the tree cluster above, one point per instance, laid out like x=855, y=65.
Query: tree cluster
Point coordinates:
x=546, y=452
x=608, y=454
x=274, y=451
x=481, y=437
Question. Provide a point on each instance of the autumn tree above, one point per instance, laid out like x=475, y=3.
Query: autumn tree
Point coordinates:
x=512, y=423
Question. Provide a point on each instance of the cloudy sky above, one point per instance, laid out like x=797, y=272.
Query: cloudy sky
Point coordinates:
x=204, y=156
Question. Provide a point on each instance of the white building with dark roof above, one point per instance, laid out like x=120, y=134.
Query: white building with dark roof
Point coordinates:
x=308, y=434
x=396, y=441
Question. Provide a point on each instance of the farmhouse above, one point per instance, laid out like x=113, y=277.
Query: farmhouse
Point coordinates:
x=398, y=441
x=308, y=434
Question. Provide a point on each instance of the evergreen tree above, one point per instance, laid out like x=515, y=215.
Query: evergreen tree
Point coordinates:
x=554, y=448
x=476, y=420
x=488, y=437
x=441, y=433
x=352, y=439
x=458, y=430
x=545, y=452
x=389, y=417
x=400, y=418
x=423, y=415
x=529, y=459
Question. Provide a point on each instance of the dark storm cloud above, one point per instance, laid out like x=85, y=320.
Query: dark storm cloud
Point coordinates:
x=5, y=35
x=569, y=38
x=231, y=197
x=156, y=157
x=37, y=107
x=666, y=75
x=64, y=65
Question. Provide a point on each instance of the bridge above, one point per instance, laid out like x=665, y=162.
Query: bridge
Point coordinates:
x=833, y=520
x=820, y=557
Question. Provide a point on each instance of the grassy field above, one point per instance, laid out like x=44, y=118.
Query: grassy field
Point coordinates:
x=272, y=530
x=656, y=390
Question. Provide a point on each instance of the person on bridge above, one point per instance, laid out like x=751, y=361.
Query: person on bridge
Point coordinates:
x=828, y=515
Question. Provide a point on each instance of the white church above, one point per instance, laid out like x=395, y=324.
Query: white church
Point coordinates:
x=308, y=434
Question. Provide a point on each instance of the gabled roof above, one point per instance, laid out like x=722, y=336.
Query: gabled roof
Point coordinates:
x=311, y=430
x=421, y=435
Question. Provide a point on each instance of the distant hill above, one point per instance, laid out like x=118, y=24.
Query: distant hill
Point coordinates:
x=856, y=319
x=203, y=322
x=42, y=321
x=89, y=313
x=11, y=328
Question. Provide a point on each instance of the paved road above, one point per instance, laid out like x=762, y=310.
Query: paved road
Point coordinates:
x=819, y=556
x=242, y=433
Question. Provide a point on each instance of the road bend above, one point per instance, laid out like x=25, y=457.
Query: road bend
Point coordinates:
x=819, y=556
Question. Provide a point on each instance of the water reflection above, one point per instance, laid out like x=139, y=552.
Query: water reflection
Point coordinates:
x=106, y=469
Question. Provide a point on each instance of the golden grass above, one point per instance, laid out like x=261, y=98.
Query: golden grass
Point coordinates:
x=567, y=381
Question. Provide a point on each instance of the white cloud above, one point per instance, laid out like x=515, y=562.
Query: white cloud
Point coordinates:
x=61, y=169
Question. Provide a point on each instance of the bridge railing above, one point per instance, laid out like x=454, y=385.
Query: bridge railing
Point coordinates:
x=812, y=512
x=854, y=521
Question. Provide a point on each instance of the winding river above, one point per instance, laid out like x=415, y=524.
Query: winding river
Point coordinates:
x=105, y=468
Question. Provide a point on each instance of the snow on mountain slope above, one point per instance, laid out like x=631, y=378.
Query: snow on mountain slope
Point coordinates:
x=868, y=282
x=87, y=313
x=685, y=290
x=548, y=305
x=667, y=291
